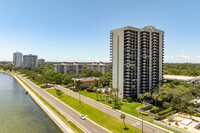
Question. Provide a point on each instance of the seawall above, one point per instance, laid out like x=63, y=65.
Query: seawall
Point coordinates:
x=64, y=128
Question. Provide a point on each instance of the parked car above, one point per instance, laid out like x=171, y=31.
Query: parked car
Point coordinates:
x=82, y=117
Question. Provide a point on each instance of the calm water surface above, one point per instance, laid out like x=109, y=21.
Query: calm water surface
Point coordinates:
x=18, y=112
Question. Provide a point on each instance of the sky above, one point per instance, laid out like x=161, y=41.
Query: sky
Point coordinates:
x=78, y=30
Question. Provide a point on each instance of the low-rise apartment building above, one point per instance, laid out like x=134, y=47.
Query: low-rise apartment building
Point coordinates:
x=41, y=62
x=101, y=67
x=65, y=68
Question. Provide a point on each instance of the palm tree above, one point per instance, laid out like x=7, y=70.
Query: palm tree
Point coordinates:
x=106, y=97
x=146, y=95
x=100, y=86
x=191, y=109
x=77, y=84
x=106, y=90
x=141, y=97
x=122, y=116
x=115, y=90
x=155, y=97
x=100, y=91
x=92, y=85
x=95, y=90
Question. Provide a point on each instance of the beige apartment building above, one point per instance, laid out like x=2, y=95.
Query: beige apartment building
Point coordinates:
x=101, y=67
x=65, y=68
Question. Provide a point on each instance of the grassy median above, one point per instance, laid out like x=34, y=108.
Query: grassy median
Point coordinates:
x=113, y=124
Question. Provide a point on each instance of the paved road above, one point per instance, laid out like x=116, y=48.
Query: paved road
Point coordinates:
x=136, y=123
x=85, y=125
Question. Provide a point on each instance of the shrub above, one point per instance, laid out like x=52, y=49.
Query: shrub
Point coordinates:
x=124, y=100
x=197, y=114
x=146, y=107
x=109, y=102
x=89, y=90
x=165, y=115
x=155, y=109
x=165, y=111
x=129, y=99
x=144, y=113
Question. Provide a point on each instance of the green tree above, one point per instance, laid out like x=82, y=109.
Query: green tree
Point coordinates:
x=78, y=87
x=129, y=99
x=115, y=92
x=71, y=85
x=57, y=79
x=190, y=109
x=106, y=90
x=106, y=79
x=155, y=97
x=59, y=93
x=141, y=97
x=147, y=95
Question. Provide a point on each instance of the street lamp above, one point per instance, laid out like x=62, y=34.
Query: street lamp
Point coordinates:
x=142, y=117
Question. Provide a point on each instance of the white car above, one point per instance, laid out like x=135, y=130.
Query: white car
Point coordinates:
x=82, y=117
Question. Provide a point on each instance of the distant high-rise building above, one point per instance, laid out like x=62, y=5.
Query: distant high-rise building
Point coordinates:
x=17, y=59
x=137, y=59
x=101, y=67
x=65, y=68
x=41, y=62
x=30, y=60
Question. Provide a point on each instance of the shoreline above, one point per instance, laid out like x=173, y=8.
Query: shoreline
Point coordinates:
x=55, y=119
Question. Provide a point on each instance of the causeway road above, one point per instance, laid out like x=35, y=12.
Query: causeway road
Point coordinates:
x=86, y=125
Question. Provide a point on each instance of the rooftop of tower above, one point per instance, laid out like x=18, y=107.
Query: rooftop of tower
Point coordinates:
x=139, y=29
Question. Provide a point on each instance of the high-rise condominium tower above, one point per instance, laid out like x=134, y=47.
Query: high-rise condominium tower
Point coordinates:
x=137, y=59
x=17, y=59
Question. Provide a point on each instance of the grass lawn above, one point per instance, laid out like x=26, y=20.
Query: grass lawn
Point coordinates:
x=101, y=118
x=130, y=108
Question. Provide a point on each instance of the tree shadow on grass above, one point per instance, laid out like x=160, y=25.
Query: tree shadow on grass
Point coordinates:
x=126, y=128
x=117, y=107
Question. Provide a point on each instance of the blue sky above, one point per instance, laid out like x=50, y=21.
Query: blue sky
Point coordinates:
x=78, y=30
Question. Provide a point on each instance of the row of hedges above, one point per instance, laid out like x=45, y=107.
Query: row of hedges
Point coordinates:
x=197, y=114
x=144, y=113
x=165, y=115
x=165, y=111
x=89, y=90
x=146, y=107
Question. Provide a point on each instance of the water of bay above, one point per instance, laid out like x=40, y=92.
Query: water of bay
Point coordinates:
x=18, y=112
